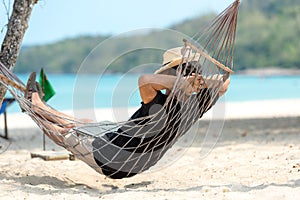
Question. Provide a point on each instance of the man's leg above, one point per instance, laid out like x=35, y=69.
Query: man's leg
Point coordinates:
x=54, y=132
x=46, y=112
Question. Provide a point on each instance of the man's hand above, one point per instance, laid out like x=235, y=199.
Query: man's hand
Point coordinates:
x=193, y=83
x=224, y=87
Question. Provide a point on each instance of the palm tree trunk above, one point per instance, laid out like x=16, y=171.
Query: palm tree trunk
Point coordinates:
x=17, y=26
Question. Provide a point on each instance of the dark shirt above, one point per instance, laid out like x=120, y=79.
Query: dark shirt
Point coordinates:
x=149, y=133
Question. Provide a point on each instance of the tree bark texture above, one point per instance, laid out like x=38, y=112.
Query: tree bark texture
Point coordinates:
x=17, y=26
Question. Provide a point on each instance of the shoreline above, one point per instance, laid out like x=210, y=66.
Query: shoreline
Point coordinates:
x=270, y=71
x=222, y=110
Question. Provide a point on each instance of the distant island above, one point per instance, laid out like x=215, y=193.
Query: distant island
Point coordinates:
x=267, y=36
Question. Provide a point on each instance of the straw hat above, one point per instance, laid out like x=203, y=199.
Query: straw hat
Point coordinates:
x=173, y=57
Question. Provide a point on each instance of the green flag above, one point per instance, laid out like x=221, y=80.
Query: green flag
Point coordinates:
x=46, y=86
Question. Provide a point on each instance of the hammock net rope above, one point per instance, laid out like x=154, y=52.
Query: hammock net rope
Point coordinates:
x=124, y=149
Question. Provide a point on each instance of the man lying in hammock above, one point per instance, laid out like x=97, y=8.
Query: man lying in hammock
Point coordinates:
x=139, y=143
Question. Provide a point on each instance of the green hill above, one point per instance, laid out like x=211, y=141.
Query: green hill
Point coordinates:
x=267, y=36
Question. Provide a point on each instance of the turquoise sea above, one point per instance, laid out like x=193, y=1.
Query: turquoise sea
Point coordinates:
x=86, y=91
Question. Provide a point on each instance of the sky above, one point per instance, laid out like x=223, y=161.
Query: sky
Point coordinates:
x=54, y=20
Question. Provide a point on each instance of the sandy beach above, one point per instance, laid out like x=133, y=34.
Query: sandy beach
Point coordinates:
x=248, y=150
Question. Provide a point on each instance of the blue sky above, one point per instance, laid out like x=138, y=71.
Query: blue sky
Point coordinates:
x=54, y=20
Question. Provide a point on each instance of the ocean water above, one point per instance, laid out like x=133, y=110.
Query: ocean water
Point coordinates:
x=86, y=91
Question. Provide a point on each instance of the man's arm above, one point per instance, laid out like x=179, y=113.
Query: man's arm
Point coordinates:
x=149, y=84
x=224, y=87
x=211, y=82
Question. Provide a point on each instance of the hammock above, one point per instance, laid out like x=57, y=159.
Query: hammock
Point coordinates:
x=124, y=149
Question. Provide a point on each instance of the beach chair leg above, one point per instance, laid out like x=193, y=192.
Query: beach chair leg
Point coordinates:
x=5, y=136
x=5, y=126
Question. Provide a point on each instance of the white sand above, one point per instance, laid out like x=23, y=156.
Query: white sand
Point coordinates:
x=254, y=158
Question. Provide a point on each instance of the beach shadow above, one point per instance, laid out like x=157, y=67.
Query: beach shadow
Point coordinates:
x=142, y=187
x=38, y=180
x=112, y=187
x=36, y=184
x=138, y=185
x=54, y=185
x=129, y=186
x=243, y=188
x=4, y=145
x=132, y=186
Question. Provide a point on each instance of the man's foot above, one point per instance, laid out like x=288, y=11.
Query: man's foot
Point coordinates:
x=39, y=90
x=30, y=88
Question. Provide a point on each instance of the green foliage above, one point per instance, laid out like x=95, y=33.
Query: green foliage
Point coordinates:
x=267, y=35
x=60, y=57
